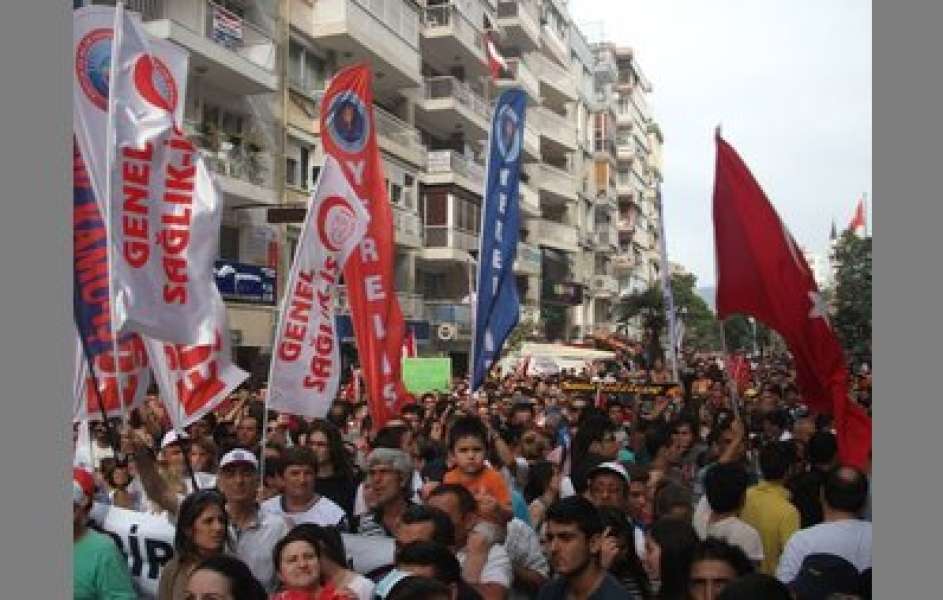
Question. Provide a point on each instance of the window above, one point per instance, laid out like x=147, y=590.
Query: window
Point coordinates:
x=291, y=171
x=229, y=243
x=304, y=168
x=306, y=70
x=436, y=209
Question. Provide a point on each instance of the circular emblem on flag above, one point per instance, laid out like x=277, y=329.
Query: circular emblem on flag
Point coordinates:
x=93, y=66
x=336, y=222
x=155, y=83
x=507, y=133
x=347, y=122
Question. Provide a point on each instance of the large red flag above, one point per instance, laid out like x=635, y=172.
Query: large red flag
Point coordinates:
x=760, y=272
x=858, y=221
x=349, y=135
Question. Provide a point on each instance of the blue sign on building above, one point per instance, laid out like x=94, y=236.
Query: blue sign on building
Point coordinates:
x=239, y=282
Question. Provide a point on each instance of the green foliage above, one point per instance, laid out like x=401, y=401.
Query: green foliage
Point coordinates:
x=852, y=294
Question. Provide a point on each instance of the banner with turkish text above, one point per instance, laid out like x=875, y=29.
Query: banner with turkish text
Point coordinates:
x=497, y=306
x=135, y=377
x=348, y=131
x=165, y=211
x=306, y=364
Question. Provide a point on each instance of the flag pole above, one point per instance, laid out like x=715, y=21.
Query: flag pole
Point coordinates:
x=732, y=393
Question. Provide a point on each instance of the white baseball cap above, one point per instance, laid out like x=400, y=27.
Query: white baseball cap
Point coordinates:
x=612, y=467
x=171, y=437
x=239, y=455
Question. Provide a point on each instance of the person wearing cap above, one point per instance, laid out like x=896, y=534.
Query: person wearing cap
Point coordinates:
x=608, y=485
x=99, y=571
x=822, y=575
x=299, y=501
x=389, y=473
x=842, y=533
x=166, y=486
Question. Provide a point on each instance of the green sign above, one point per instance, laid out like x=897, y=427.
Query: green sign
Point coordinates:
x=422, y=375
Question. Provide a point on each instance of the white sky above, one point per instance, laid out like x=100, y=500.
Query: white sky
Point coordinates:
x=790, y=83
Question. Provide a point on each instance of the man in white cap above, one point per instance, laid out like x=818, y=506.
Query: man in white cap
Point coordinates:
x=607, y=485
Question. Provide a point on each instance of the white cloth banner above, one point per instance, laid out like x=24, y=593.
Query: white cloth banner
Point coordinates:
x=134, y=369
x=194, y=379
x=165, y=211
x=306, y=367
x=147, y=541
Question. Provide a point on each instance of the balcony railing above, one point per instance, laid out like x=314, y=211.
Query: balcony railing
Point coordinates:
x=529, y=198
x=397, y=130
x=449, y=16
x=231, y=158
x=528, y=257
x=524, y=76
x=443, y=236
x=450, y=87
x=519, y=8
x=604, y=284
x=408, y=227
x=555, y=125
x=555, y=75
x=412, y=305
x=553, y=179
x=449, y=161
x=554, y=234
x=445, y=311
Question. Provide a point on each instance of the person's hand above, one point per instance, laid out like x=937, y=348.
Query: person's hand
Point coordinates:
x=737, y=428
x=346, y=593
x=608, y=549
x=427, y=489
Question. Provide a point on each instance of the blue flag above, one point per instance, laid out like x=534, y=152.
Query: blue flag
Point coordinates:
x=497, y=309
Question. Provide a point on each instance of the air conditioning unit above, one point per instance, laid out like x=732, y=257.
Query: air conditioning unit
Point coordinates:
x=447, y=331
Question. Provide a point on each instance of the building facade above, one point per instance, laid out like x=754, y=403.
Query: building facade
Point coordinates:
x=589, y=194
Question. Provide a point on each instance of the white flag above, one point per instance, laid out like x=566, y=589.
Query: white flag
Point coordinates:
x=165, y=211
x=194, y=379
x=135, y=379
x=306, y=366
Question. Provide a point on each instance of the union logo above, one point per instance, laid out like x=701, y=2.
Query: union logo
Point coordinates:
x=93, y=66
x=347, y=122
x=507, y=133
x=336, y=222
x=155, y=83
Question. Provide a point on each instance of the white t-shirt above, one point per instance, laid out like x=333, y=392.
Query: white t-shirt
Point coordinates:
x=497, y=567
x=848, y=538
x=733, y=531
x=324, y=512
x=360, y=586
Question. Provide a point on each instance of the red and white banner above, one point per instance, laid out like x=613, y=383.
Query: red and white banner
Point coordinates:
x=195, y=379
x=165, y=212
x=306, y=364
x=409, y=344
x=135, y=379
x=349, y=135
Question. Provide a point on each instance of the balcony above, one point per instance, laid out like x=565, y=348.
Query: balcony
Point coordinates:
x=530, y=313
x=448, y=244
x=234, y=53
x=604, y=286
x=239, y=172
x=624, y=117
x=604, y=149
x=625, y=225
x=412, y=305
x=529, y=200
x=528, y=259
x=446, y=311
x=408, y=228
x=555, y=235
x=608, y=238
x=556, y=44
x=398, y=137
x=555, y=128
x=531, y=142
x=552, y=181
x=521, y=23
x=622, y=262
x=556, y=82
x=624, y=186
x=625, y=149
x=449, y=37
x=444, y=167
x=447, y=105
x=523, y=77
x=384, y=34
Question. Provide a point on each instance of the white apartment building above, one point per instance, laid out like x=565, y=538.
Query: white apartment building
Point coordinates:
x=591, y=161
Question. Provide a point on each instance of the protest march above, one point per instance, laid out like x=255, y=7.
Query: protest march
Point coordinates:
x=664, y=471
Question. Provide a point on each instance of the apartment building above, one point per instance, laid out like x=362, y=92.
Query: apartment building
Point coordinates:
x=588, y=195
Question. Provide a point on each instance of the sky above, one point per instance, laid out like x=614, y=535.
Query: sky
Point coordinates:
x=790, y=85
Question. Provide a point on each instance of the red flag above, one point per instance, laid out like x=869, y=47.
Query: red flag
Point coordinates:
x=857, y=221
x=761, y=272
x=497, y=64
x=740, y=371
x=349, y=135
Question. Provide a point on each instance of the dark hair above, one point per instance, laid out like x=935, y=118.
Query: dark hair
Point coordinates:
x=755, y=585
x=190, y=510
x=467, y=427
x=411, y=408
x=576, y=510
x=242, y=583
x=539, y=475
x=656, y=438
x=391, y=437
x=418, y=588
x=669, y=496
x=443, y=530
x=638, y=473
x=775, y=460
x=823, y=446
x=677, y=540
x=294, y=456
x=431, y=554
x=627, y=565
x=592, y=428
x=340, y=460
x=725, y=486
x=522, y=407
x=778, y=417
x=329, y=541
x=466, y=502
x=846, y=489
x=295, y=535
x=716, y=549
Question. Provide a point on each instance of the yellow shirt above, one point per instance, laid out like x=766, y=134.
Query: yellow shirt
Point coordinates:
x=768, y=510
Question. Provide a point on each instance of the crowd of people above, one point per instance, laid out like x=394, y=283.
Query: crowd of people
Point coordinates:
x=722, y=488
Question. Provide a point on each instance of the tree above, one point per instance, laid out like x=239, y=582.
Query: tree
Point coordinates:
x=852, y=298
